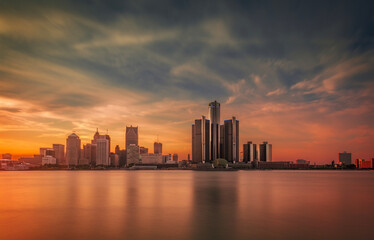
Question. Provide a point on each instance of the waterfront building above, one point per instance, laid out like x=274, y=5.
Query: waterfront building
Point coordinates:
x=59, y=150
x=131, y=136
x=266, y=152
x=345, y=158
x=89, y=153
x=151, y=158
x=175, y=157
x=73, y=149
x=231, y=140
x=200, y=140
x=102, y=151
x=48, y=160
x=7, y=156
x=132, y=154
x=214, y=117
x=249, y=152
x=157, y=148
x=362, y=164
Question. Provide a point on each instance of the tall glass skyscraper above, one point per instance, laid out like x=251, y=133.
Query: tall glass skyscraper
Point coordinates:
x=214, y=117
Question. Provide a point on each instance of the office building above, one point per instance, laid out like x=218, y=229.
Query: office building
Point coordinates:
x=222, y=141
x=265, y=152
x=214, y=117
x=345, y=158
x=151, y=158
x=131, y=136
x=201, y=140
x=231, y=140
x=97, y=136
x=73, y=149
x=362, y=164
x=132, y=154
x=48, y=160
x=59, y=150
x=249, y=152
x=157, y=148
x=102, y=151
x=89, y=154
x=175, y=157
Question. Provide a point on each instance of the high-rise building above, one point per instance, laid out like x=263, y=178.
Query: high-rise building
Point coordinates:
x=345, y=158
x=231, y=140
x=131, y=136
x=59, y=150
x=266, y=152
x=214, y=117
x=89, y=153
x=102, y=151
x=200, y=140
x=249, y=152
x=157, y=148
x=132, y=154
x=222, y=141
x=73, y=149
x=97, y=136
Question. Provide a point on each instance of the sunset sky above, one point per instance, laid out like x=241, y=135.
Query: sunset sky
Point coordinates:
x=299, y=74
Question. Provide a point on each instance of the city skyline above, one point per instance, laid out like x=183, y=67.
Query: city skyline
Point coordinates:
x=289, y=77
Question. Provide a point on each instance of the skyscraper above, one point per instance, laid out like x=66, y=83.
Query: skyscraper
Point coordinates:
x=222, y=141
x=266, y=152
x=231, y=140
x=157, y=148
x=102, y=151
x=132, y=154
x=345, y=158
x=73, y=149
x=59, y=153
x=131, y=136
x=249, y=152
x=89, y=153
x=214, y=117
x=200, y=140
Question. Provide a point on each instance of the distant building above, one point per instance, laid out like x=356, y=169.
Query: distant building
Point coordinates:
x=102, y=151
x=175, y=157
x=157, y=148
x=165, y=158
x=48, y=160
x=73, y=149
x=266, y=152
x=59, y=150
x=214, y=117
x=89, y=154
x=143, y=150
x=222, y=141
x=132, y=154
x=200, y=140
x=7, y=156
x=249, y=152
x=151, y=158
x=345, y=158
x=131, y=136
x=362, y=164
x=231, y=140
x=302, y=161
x=188, y=157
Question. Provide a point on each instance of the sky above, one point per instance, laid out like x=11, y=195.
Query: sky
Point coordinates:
x=298, y=74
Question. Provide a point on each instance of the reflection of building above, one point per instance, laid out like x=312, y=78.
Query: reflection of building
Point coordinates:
x=249, y=152
x=265, y=152
x=361, y=163
x=231, y=140
x=157, y=148
x=345, y=158
x=102, y=151
x=214, y=117
x=200, y=140
x=59, y=153
x=73, y=149
x=132, y=154
x=131, y=136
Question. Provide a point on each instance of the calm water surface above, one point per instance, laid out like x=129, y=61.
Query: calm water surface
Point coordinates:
x=186, y=205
